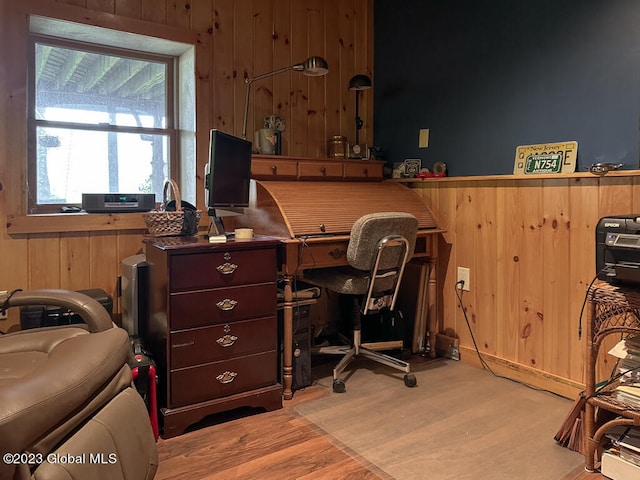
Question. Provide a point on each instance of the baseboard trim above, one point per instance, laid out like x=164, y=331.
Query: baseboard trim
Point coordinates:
x=522, y=373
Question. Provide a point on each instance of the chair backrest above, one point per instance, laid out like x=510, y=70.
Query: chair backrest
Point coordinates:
x=367, y=232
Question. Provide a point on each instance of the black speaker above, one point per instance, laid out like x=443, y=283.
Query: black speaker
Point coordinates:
x=301, y=348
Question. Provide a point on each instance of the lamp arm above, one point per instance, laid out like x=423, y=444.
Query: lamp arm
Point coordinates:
x=249, y=81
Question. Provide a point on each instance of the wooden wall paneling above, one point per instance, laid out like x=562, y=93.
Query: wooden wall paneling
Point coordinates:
x=14, y=265
x=44, y=262
x=485, y=266
x=556, y=239
x=347, y=68
x=129, y=8
x=615, y=196
x=76, y=3
x=263, y=45
x=363, y=62
x=108, y=6
x=282, y=57
x=316, y=138
x=333, y=82
x=201, y=21
x=241, y=27
x=635, y=196
x=300, y=49
x=464, y=257
x=75, y=261
x=531, y=275
x=179, y=13
x=222, y=82
x=583, y=201
x=154, y=11
x=14, y=52
x=104, y=262
x=368, y=128
x=508, y=268
x=447, y=247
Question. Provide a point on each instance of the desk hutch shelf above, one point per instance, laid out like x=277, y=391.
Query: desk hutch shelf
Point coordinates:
x=612, y=310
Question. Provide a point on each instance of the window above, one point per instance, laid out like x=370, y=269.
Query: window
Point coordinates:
x=101, y=117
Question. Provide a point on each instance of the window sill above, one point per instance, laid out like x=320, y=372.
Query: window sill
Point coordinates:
x=74, y=222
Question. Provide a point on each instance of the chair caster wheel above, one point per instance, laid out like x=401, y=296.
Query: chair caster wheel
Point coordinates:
x=405, y=354
x=339, y=386
x=409, y=380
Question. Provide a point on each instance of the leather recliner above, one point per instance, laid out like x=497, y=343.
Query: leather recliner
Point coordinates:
x=68, y=409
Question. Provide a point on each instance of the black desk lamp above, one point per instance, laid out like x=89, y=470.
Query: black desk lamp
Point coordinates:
x=311, y=67
x=358, y=83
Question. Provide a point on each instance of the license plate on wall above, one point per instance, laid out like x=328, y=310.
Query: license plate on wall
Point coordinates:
x=547, y=158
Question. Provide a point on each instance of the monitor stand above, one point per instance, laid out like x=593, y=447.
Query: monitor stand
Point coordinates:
x=216, y=227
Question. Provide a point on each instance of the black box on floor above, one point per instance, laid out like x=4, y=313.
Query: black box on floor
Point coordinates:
x=301, y=347
x=36, y=316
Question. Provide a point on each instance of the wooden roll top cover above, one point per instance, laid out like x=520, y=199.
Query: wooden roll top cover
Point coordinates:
x=297, y=209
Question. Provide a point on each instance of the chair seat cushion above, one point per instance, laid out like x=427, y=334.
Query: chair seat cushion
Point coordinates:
x=346, y=280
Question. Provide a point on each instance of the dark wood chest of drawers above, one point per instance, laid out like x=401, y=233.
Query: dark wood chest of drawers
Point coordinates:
x=213, y=327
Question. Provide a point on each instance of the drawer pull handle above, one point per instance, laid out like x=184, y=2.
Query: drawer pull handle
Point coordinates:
x=274, y=169
x=227, y=340
x=227, y=377
x=227, y=268
x=337, y=253
x=226, y=304
x=323, y=170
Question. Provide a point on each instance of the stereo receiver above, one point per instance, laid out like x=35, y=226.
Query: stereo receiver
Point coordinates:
x=118, y=202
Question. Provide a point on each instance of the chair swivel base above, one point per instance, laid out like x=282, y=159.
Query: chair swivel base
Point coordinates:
x=359, y=351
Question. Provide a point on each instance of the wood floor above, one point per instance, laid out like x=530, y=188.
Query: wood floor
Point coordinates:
x=274, y=445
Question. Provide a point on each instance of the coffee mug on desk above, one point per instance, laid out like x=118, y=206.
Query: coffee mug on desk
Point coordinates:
x=243, y=233
x=266, y=141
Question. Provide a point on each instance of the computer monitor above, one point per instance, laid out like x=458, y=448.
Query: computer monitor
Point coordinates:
x=227, y=177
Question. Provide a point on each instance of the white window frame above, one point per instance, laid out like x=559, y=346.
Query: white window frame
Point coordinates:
x=180, y=113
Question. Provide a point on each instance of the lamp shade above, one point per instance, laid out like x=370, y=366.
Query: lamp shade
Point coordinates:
x=359, y=82
x=313, y=67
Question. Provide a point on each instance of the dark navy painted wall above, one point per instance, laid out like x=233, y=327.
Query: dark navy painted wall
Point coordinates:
x=487, y=75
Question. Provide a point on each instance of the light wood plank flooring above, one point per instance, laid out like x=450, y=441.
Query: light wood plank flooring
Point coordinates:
x=274, y=445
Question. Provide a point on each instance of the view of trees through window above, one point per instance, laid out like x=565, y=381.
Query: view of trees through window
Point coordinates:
x=101, y=123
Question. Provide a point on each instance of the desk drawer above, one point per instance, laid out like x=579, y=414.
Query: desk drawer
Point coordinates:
x=222, y=342
x=221, y=305
x=319, y=170
x=362, y=170
x=273, y=169
x=195, y=271
x=220, y=379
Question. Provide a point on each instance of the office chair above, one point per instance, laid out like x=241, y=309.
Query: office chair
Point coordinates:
x=68, y=410
x=380, y=246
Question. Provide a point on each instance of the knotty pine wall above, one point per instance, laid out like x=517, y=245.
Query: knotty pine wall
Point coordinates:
x=529, y=243
x=530, y=246
x=233, y=39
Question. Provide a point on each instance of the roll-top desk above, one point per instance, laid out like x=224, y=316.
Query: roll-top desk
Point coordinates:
x=213, y=326
x=311, y=205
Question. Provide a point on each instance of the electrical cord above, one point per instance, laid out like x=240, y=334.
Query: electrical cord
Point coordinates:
x=485, y=365
x=5, y=304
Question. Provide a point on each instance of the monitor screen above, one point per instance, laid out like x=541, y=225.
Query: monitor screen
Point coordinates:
x=228, y=172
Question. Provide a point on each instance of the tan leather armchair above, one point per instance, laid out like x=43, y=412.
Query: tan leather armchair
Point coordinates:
x=67, y=406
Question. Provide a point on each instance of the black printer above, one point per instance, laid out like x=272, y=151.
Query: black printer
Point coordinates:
x=618, y=249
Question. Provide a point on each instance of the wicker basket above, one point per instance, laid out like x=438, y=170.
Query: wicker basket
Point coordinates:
x=163, y=223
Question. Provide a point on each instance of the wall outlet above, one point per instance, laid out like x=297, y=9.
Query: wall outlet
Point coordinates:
x=3, y=297
x=464, y=275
